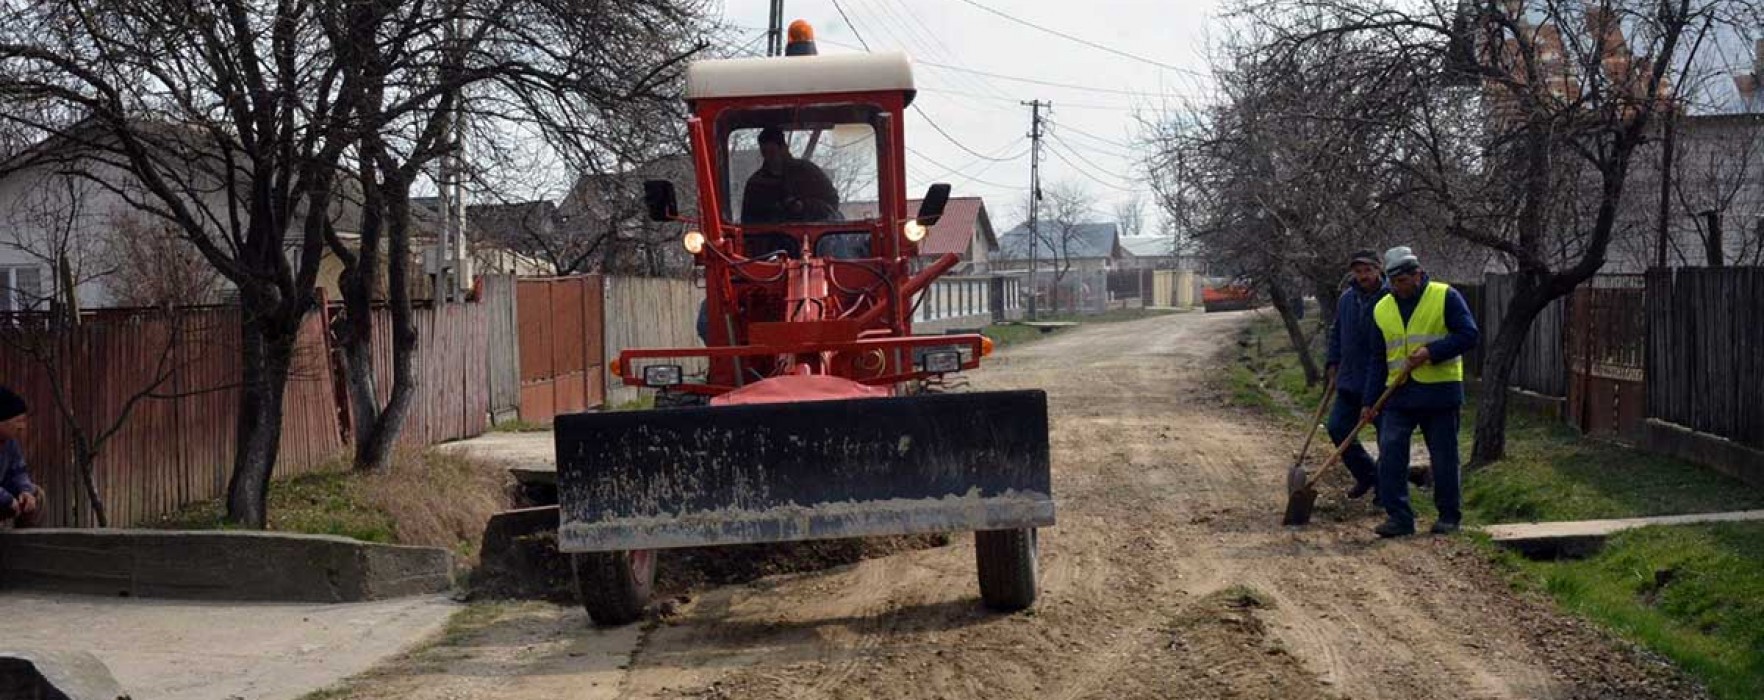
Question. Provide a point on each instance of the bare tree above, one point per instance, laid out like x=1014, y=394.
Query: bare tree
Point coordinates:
x=1130, y=215
x=236, y=120
x=1523, y=122
x=1067, y=208
x=49, y=332
x=147, y=264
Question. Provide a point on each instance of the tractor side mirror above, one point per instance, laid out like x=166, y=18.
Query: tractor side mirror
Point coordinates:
x=659, y=196
x=931, y=208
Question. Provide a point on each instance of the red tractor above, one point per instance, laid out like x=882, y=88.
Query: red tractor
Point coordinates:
x=806, y=421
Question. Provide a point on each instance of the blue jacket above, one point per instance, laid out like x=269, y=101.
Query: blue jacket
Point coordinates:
x=1348, y=351
x=14, y=478
x=1461, y=335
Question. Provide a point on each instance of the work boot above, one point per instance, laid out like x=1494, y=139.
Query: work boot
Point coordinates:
x=1392, y=528
x=1444, y=528
x=1359, y=490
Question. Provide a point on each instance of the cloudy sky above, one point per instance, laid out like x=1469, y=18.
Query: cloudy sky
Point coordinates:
x=973, y=65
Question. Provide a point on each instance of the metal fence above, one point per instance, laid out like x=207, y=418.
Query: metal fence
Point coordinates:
x=562, y=369
x=177, y=446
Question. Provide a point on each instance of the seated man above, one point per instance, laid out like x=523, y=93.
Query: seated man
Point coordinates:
x=20, y=500
x=786, y=188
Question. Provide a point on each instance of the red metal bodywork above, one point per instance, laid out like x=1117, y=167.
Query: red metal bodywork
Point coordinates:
x=807, y=327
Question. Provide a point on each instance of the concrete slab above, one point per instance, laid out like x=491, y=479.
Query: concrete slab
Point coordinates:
x=533, y=452
x=161, y=650
x=219, y=565
x=56, y=675
x=1583, y=537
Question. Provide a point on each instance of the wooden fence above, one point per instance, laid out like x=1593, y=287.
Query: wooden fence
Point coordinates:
x=453, y=394
x=647, y=312
x=503, y=363
x=562, y=368
x=174, y=449
x=1705, y=350
x=1541, y=367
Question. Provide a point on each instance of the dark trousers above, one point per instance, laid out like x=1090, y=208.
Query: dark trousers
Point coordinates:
x=1439, y=427
x=1342, y=419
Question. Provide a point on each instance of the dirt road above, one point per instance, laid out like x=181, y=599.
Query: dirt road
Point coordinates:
x=1167, y=576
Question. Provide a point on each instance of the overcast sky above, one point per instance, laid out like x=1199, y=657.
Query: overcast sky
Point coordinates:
x=1093, y=128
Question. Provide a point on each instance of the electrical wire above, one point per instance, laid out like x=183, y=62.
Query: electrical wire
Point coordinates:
x=1081, y=132
x=1085, y=173
x=934, y=125
x=1079, y=155
x=1088, y=42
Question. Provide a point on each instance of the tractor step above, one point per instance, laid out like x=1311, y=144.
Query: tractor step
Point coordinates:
x=717, y=475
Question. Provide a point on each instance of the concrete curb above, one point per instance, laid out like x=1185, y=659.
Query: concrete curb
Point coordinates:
x=56, y=675
x=219, y=565
x=1579, y=538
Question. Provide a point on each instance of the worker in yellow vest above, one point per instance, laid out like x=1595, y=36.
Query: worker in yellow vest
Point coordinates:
x=1425, y=327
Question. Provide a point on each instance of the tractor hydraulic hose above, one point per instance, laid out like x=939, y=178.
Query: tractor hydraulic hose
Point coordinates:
x=913, y=285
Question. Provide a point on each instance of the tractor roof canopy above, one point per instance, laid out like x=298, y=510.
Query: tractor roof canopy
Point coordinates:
x=799, y=75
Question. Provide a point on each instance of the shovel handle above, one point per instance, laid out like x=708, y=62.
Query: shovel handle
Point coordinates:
x=1328, y=392
x=1354, y=435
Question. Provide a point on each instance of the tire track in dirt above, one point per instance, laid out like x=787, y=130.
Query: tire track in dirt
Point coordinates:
x=1168, y=575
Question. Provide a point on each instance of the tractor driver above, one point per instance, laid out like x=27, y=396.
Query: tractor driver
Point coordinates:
x=786, y=188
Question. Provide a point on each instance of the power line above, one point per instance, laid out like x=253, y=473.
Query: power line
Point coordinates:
x=1085, y=173
x=936, y=47
x=1034, y=81
x=1087, y=134
x=1087, y=42
x=1013, y=100
x=952, y=139
x=989, y=161
x=1080, y=156
x=1079, y=148
x=849, y=23
x=928, y=120
x=967, y=178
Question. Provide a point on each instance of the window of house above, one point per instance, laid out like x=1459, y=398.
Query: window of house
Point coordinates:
x=21, y=288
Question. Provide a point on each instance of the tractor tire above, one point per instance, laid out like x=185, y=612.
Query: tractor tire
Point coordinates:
x=1006, y=562
x=614, y=586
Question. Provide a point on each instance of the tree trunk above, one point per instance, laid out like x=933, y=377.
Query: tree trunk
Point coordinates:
x=375, y=447
x=1490, y=444
x=361, y=282
x=1327, y=295
x=1716, y=247
x=1294, y=333
x=268, y=344
x=89, y=480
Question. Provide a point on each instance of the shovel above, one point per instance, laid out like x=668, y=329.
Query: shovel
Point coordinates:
x=1301, y=489
x=1296, y=474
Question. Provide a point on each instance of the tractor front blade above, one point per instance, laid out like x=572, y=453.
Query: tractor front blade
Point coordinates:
x=715, y=475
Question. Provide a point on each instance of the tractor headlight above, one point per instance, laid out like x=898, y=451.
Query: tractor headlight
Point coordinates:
x=694, y=242
x=914, y=231
x=662, y=375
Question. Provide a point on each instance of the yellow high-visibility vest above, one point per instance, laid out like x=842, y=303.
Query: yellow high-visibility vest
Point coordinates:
x=1426, y=325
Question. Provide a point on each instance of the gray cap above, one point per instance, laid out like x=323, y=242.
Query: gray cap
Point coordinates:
x=1399, y=258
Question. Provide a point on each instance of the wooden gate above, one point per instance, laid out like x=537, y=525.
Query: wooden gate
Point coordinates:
x=1605, y=348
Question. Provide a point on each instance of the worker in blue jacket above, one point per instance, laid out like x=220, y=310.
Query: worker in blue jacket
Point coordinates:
x=1350, y=359
x=1423, y=327
x=21, y=501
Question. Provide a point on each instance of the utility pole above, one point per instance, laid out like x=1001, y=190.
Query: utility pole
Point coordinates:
x=1034, y=195
x=775, y=30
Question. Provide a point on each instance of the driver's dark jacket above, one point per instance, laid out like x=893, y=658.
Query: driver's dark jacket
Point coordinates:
x=768, y=197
